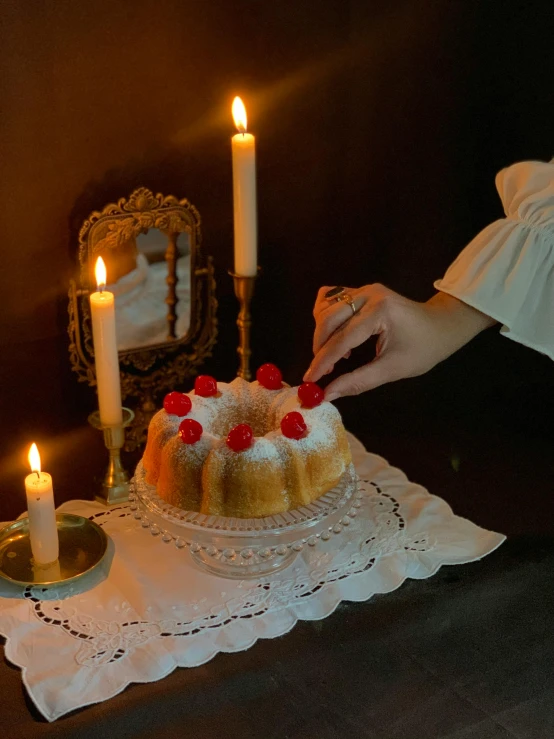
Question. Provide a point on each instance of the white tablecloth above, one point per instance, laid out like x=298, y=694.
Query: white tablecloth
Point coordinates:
x=150, y=610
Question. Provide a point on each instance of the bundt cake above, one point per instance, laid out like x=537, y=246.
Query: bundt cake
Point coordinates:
x=245, y=449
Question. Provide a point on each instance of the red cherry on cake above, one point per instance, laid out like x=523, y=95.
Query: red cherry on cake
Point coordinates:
x=205, y=386
x=178, y=404
x=190, y=431
x=310, y=394
x=270, y=377
x=293, y=425
x=240, y=437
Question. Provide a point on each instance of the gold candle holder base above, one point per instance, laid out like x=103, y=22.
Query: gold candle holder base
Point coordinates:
x=244, y=290
x=83, y=545
x=115, y=488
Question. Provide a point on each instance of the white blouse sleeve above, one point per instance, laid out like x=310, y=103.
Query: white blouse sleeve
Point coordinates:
x=507, y=271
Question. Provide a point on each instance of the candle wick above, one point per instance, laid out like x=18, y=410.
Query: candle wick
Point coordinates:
x=37, y=473
x=100, y=289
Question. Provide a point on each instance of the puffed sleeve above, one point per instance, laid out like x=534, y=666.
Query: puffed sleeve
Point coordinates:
x=507, y=271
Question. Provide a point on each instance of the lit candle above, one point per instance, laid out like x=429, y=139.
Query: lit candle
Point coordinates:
x=244, y=195
x=43, y=531
x=105, y=350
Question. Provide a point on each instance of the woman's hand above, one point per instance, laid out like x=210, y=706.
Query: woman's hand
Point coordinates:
x=411, y=337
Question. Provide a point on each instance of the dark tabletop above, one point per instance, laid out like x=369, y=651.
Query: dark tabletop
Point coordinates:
x=466, y=653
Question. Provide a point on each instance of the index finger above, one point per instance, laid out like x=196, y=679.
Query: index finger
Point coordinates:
x=350, y=335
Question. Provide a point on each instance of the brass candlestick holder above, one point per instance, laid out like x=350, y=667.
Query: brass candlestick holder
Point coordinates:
x=115, y=488
x=244, y=290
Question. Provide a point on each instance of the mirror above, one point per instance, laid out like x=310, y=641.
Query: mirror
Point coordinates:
x=151, y=274
x=164, y=295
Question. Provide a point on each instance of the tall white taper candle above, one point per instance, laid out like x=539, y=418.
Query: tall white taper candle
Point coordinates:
x=244, y=195
x=106, y=358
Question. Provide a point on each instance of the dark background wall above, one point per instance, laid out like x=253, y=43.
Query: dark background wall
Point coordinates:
x=380, y=126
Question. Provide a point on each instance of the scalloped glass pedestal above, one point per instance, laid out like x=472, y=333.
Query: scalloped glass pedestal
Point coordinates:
x=240, y=548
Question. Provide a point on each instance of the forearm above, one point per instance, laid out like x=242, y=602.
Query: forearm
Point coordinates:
x=459, y=322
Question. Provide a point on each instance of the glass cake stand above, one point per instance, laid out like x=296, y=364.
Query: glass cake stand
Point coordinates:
x=240, y=548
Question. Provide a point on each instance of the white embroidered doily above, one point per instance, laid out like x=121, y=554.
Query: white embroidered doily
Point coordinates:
x=155, y=611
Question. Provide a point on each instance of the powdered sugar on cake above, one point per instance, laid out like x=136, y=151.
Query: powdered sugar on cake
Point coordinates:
x=257, y=476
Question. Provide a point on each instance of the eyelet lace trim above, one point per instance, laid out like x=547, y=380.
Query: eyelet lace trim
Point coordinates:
x=380, y=532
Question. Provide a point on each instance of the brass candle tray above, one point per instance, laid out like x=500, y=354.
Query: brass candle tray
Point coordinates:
x=83, y=545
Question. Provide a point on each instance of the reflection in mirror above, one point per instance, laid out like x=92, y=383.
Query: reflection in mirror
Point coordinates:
x=150, y=277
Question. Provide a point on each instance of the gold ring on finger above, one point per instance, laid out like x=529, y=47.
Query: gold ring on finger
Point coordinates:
x=334, y=294
x=347, y=298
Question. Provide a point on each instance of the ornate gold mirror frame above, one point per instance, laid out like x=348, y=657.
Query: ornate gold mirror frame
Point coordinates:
x=146, y=372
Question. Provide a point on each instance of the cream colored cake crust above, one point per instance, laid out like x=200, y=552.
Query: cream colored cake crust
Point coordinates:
x=273, y=475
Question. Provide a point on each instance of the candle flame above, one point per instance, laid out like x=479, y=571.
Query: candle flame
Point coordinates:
x=100, y=272
x=34, y=458
x=239, y=115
